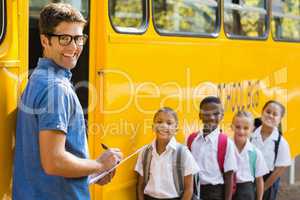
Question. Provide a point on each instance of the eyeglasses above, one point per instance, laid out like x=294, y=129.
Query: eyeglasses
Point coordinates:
x=65, y=39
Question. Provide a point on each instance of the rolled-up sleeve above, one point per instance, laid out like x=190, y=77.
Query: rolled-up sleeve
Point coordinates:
x=190, y=165
x=261, y=166
x=230, y=163
x=284, y=154
x=55, y=109
x=139, y=166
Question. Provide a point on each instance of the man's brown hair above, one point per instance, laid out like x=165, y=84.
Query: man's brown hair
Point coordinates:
x=55, y=13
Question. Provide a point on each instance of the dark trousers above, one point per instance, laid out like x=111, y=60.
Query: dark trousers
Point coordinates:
x=245, y=191
x=146, y=197
x=212, y=192
x=271, y=193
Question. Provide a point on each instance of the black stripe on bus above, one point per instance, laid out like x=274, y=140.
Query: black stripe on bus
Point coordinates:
x=3, y=28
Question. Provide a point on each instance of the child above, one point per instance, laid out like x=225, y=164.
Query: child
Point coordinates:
x=274, y=147
x=165, y=168
x=214, y=153
x=251, y=163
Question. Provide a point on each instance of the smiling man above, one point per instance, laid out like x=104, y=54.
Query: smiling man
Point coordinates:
x=51, y=154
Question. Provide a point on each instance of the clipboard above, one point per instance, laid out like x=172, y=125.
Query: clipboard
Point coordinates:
x=96, y=177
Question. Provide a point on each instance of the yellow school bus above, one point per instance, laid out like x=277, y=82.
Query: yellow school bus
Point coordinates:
x=145, y=54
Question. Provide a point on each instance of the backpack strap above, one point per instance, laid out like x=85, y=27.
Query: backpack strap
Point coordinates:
x=257, y=123
x=196, y=187
x=277, y=142
x=252, y=161
x=222, y=146
x=178, y=168
x=190, y=140
x=147, y=157
x=196, y=177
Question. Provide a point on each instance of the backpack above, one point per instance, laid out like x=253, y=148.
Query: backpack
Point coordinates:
x=252, y=161
x=222, y=146
x=178, y=166
x=258, y=123
x=196, y=177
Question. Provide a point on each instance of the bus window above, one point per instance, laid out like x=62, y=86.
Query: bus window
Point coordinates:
x=245, y=18
x=2, y=19
x=37, y=5
x=286, y=20
x=35, y=50
x=186, y=17
x=128, y=16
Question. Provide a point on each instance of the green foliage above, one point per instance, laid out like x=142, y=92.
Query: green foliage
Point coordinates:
x=287, y=27
x=249, y=24
x=83, y=5
x=126, y=13
x=181, y=16
x=189, y=16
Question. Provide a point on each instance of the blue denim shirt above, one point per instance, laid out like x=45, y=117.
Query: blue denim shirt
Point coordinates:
x=48, y=103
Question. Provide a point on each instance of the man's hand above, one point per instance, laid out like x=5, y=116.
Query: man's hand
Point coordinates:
x=106, y=179
x=110, y=158
x=57, y=161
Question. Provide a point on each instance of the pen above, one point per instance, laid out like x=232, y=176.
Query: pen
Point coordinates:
x=104, y=146
x=94, y=178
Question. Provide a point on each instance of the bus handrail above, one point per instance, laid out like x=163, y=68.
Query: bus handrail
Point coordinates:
x=247, y=8
x=210, y=3
x=285, y=15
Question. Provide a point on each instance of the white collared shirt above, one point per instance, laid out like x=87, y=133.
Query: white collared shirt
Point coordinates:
x=161, y=183
x=267, y=147
x=244, y=172
x=205, y=153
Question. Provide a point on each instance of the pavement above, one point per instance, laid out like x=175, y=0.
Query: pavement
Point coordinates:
x=289, y=192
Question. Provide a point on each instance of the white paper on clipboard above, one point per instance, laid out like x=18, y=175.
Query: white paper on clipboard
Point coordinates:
x=96, y=177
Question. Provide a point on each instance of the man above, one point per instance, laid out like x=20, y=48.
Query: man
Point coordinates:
x=51, y=156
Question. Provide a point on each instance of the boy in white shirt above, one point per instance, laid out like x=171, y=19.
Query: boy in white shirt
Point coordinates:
x=273, y=146
x=251, y=163
x=165, y=168
x=216, y=166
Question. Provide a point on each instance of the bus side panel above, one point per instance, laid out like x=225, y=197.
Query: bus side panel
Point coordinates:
x=137, y=74
x=293, y=98
x=140, y=79
x=8, y=104
x=245, y=71
x=140, y=76
x=13, y=76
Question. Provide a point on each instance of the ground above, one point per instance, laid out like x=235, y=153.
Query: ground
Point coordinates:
x=291, y=192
